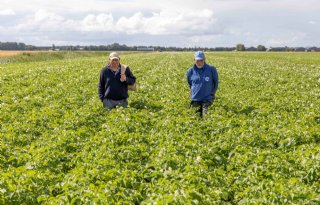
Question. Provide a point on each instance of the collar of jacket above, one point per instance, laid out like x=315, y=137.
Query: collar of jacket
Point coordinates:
x=198, y=69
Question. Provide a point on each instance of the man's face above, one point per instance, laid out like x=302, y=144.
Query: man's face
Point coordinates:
x=199, y=63
x=114, y=63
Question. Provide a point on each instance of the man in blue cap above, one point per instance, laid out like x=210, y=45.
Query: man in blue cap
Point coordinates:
x=203, y=82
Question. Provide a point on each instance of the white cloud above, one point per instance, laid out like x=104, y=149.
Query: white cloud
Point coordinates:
x=7, y=12
x=162, y=23
x=101, y=22
x=44, y=21
x=42, y=16
x=312, y=22
x=132, y=25
x=167, y=22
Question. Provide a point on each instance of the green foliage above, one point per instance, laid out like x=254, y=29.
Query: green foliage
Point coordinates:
x=259, y=143
x=240, y=47
x=261, y=48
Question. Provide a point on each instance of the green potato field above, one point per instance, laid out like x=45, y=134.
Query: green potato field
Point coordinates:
x=258, y=144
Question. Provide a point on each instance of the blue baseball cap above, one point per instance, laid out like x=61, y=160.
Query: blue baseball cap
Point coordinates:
x=199, y=55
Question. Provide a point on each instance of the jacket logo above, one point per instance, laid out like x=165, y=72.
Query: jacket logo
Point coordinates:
x=206, y=79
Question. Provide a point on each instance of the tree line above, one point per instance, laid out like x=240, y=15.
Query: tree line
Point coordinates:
x=119, y=47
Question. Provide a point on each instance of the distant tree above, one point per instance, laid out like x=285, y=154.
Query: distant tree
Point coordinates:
x=240, y=47
x=288, y=49
x=261, y=48
x=219, y=49
x=9, y=46
x=30, y=47
x=251, y=49
x=21, y=46
x=118, y=47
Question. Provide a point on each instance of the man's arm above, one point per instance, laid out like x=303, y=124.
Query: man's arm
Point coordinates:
x=189, y=81
x=189, y=77
x=101, y=85
x=131, y=79
x=215, y=81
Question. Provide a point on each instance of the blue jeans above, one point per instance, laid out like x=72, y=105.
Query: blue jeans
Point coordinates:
x=202, y=106
x=109, y=104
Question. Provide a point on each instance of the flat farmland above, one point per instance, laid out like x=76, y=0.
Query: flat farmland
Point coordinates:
x=259, y=143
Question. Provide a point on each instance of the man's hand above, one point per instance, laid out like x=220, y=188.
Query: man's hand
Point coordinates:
x=123, y=72
x=123, y=77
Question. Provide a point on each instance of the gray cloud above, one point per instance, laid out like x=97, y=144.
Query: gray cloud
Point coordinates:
x=167, y=23
x=7, y=12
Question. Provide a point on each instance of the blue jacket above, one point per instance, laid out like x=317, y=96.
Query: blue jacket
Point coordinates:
x=203, y=82
x=111, y=87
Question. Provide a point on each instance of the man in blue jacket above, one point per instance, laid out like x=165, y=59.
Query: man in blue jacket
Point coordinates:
x=113, y=84
x=203, y=83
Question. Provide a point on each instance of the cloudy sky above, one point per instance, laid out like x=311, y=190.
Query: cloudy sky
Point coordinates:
x=182, y=23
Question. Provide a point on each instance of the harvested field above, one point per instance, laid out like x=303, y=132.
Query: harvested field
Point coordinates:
x=13, y=53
